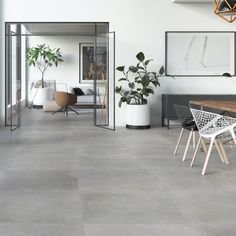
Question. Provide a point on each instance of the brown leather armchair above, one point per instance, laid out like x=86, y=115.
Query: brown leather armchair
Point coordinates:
x=65, y=100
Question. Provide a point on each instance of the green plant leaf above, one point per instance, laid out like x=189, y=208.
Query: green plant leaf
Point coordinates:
x=156, y=83
x=123, y=99
x=145, y=92
x=141, y=68
x=133, y=92
x=118, y=89
x=43, y=55
x=154, y=74
x=162, y=70
x=128, y=99
x=122, y=79
x=140, y=56
x=150, y=90
x=137, y=95
x=120, y=103
x=126, y=93
x=144, y=101
x=147, y=62
x=145, y=80
x=132, y=85
x=133, y=69
x=120, y=68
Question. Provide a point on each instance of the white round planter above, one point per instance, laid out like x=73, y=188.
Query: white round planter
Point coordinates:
x=137, y=116
x=41, y=95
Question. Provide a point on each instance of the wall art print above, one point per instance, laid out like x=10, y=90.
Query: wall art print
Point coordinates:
x=200, y=53
x=88, y=70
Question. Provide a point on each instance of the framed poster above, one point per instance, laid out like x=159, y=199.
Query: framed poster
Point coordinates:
x=87, y=67
x=199, y=53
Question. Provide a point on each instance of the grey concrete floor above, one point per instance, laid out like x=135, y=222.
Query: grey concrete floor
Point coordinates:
x=61, y=176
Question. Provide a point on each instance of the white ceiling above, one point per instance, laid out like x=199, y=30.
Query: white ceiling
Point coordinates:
x=64, y=28
x=194, y=1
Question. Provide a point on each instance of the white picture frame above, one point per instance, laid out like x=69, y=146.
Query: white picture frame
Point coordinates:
x=199, y=53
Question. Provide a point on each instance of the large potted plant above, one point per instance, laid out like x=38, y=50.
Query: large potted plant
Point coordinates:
x=43, y=57
x=139, y=85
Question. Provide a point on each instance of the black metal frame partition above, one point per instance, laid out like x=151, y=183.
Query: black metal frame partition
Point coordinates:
x=59, y=34
x=186, y=32
x=8, y=74
x=107, y=125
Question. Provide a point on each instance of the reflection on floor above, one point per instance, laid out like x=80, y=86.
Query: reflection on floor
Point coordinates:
x=60, y=176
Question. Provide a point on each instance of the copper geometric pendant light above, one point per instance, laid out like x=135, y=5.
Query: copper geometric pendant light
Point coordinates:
x=226, y=9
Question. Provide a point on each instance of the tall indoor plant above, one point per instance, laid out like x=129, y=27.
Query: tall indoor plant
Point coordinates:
x=140, y=83
x=43, y=57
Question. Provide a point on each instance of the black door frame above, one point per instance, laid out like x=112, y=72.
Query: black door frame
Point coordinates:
x=48, y=22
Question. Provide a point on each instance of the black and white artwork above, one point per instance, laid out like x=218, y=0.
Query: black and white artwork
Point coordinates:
x=200, y=53
x=87, y=67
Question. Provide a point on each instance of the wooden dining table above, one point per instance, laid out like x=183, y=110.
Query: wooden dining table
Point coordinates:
x=229, y=106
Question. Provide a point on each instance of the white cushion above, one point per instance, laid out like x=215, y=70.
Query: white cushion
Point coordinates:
x=87, y=99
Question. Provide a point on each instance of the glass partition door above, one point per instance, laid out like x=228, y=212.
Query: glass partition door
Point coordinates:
x=13, y=76
x=104, y=81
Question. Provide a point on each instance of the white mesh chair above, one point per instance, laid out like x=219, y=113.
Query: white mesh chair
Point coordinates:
x=217, y=129
x=187, y=122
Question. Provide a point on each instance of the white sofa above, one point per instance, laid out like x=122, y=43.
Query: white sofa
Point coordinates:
x=88, y=97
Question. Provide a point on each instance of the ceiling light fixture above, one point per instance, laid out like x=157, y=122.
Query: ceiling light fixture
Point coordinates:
x=225, y=9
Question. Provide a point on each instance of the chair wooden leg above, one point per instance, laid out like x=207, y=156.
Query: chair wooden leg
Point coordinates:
x=194, y=140
x=178, y=142
x=224, y=153
x=234, y=140
x=219, y=151
x=187, y=146
x=204, y=146
x=207, y=157
x=196, y=150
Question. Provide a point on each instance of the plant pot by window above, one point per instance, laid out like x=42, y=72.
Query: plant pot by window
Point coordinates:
x=138, y=116
x=41, y=95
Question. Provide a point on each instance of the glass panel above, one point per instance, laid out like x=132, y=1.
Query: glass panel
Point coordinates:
x=13, y=76
x=7, y=78
x=104, y=81
x=24, y=84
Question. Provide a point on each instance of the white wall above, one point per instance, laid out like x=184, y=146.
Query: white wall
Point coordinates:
x=139, y=26
x=67, y=71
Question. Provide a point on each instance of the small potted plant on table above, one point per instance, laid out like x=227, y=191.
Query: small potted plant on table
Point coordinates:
x=140, y=83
